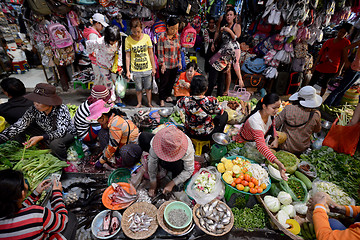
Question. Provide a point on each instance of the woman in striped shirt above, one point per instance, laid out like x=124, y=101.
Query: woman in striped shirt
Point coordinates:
x=260, y=124
x=20, y=218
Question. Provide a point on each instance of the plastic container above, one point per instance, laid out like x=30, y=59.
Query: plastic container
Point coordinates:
x=119, y=175
x=178, y=205
x=78, y=148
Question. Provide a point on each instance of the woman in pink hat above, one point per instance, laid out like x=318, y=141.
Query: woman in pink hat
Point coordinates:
x=115, y=132
x=171, y=149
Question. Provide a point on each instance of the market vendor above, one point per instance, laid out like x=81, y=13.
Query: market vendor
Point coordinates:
x=171, y=149
x=21, y=218
x=116, y=132
x=53, y=118
x=300, y=120
x=88, y=130
x=260, y=124
x=328, y=228
x=199, y=109
x=182, y=85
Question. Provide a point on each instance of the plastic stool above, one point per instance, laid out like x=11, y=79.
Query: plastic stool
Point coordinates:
x=90, y=84
x=77, y=83
x=193, y=58
x=199, y=145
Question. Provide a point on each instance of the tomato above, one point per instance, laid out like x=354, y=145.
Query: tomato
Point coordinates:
x=255, y=181
x=233, y=184
x=244, y=170
x=246, y=189
x=251, y=184
x=253, y=190
x=247, y=177
x=240, y=187
x=237, y=181
x=259, y=190
x=250, y=174
x=244, y=182
x=242, y=176
x=263, y=186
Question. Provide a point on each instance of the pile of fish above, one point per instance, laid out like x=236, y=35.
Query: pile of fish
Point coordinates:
x=139, y=222
x=214, y=217
x=110, y=225
x=120, y=196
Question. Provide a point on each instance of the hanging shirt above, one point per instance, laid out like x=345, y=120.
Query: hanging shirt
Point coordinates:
x=140, y=59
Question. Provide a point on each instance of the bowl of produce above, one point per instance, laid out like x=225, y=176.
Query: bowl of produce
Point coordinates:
x=221, y=138
x=106, y=224
x=178, y=215
x=165, y=112
x=289, y=160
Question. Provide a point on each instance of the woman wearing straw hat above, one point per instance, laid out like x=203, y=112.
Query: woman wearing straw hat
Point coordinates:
x=300, y=120
x=171, y=149
x=53, y=118
x=118, y=132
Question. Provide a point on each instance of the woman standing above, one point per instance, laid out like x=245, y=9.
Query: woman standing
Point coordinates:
x=209, y=38
x=169, y=59
x=139, y=47
x=259, y=125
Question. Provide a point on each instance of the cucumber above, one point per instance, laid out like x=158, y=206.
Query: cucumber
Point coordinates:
x=274, y=189
x=305, y=179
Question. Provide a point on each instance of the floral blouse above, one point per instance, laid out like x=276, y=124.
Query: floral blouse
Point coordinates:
x=105, y=53
x=198, y=113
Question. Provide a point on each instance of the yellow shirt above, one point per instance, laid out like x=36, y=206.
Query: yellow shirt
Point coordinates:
x=140, y=60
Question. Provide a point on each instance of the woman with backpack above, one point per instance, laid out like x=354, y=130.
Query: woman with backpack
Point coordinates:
x=169, y=57
x=139, y=52
x=260, y=124
x=93, y=32
x=108, y=58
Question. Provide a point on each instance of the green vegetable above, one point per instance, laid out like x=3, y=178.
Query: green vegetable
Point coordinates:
x=227, y=98
x=289, y=160
x=312, y=230
x=240, y=202
x=304, y=179
x=274, y=189
x=250, y=218
x=234, y=145
x=295, y=187
x=306, y=235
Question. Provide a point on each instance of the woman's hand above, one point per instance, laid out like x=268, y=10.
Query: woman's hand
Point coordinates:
x=281, y=169
x=57, y=185
x=163, y=69
x=180, y=65
x=153, y=71
x=128, y=75
x=169, y=187
x=152, y=188
x=213, y=47
x=43, y=185
x=33, y=141
x=241, y=83
x=226, y=29
x=275, y=143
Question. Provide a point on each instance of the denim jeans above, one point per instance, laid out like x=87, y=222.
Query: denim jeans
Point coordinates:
x=349, y=79
x=337, y=225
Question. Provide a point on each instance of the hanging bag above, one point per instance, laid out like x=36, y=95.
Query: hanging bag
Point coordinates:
x=120, y=86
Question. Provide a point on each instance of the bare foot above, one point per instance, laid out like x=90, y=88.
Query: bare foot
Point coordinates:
x=151, y=106
x=139, y=105
x=169, y=99
x=162, y=103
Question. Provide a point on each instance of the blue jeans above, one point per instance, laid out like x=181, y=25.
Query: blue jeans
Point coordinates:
x=337, y=225
x=349, y=79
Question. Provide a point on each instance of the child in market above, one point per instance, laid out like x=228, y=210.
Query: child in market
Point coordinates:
x=108, y=58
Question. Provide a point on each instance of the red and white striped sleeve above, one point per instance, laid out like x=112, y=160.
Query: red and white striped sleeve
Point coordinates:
x=55, y=221
x=261, y=145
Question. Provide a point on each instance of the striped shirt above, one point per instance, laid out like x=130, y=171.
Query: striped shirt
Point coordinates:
x=82, y=125
x=169, y=51
x=254, y=129
x=36, y=222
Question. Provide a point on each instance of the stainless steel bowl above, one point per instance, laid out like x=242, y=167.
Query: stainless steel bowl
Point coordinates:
x=326, y=124
x=165, y=112
x=221, y=138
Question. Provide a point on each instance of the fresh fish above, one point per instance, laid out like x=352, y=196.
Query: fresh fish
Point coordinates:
x=226, y=221
x=197, y=213
x=202, y=222
x=220, y=226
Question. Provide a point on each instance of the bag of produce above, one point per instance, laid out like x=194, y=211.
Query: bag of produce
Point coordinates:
x=296, y=188
x=289, y=160
x=206, y=185
x=334, y=191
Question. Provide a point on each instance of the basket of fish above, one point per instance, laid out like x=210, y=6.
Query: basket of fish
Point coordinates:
x=214, y=218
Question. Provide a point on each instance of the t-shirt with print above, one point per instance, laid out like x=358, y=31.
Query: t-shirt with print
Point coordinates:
x=331, y=55
x=140, y=59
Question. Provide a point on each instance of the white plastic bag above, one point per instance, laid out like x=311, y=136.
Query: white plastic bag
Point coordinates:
x=201, y=197
x=155, y=89
x=120, y=86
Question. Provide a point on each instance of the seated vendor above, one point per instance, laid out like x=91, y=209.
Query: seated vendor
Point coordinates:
x=261, y=124
x=199, y=109
x=21, y=218
x=88, y=130
x=182, y=86
x=300, y=120
x=171, y=149
x=329, y=228
x=55, y=128
x=17, y=105
x=116, y=132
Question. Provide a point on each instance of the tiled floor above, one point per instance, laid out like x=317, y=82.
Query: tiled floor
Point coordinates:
x=32, y=77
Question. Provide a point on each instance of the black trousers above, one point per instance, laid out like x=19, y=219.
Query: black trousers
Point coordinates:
x=215, y=78
x=167, y=81
x=71, y=227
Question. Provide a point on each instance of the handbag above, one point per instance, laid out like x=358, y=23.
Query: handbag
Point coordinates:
x=254, y=81
x=120, y=86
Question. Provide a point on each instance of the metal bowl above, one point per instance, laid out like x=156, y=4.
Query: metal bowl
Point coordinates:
x=165, y=112
x=326, y=124
x=221, y=138
x=98, y=221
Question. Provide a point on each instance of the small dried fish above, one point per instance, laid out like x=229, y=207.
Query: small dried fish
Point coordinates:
x=139, y=222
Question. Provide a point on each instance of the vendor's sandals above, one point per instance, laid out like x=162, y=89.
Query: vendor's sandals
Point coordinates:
x=226, y=93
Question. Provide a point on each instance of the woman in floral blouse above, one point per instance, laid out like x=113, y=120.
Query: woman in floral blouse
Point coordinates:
x=199, y=109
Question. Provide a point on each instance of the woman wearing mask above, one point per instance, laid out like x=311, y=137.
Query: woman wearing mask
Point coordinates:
x=169, y=59
x=139, y=52
x=259, y=125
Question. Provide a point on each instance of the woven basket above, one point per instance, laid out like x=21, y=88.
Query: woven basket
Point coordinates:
x=150, y=210
x=166, y=227
x=227, y=227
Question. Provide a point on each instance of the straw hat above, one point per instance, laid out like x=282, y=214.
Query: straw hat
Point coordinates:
x=307, y=97
x=170, y=144
x=46, y=94
x=97, y=109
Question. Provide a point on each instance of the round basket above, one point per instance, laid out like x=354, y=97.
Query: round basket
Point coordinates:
x=140, y=207
x=119, y=175
x=166, y=227
x=227, y=227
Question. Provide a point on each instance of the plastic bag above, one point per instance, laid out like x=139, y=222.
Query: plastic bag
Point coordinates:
x=120, y=86
x=335, y=192
x=202, y=197
x=250, y=151
x=308, y=169
x=155, y=89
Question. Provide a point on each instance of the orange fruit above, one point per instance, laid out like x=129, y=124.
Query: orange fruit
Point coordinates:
x=263, y=186
x=259, y=190
x=251, y=184
x=255, y=181
x=244, y=170
x=244, y=182
x=237, y=181
x=253, y=190
x=240, y=187
x=241, y=176
x=247, y=177
x=233, y=184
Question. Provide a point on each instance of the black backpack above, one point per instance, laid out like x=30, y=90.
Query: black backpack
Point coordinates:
x=189, y=7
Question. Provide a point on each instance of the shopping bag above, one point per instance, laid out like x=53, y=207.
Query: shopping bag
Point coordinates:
x=155, y=89
x=120, y=86
x=343, y=139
